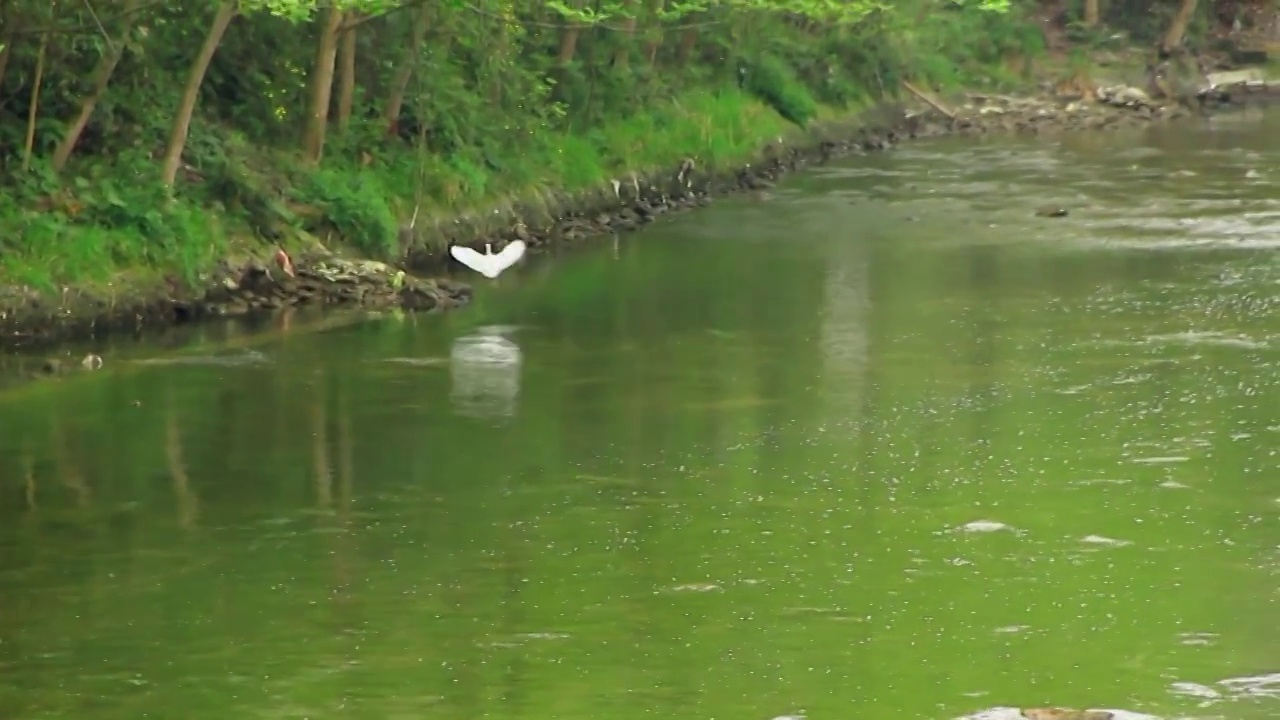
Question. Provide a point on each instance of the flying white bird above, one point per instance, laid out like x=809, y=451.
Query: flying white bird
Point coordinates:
x=488, y=264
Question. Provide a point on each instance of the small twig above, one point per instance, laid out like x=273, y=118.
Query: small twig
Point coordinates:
x=110, y=45
x=81, y=29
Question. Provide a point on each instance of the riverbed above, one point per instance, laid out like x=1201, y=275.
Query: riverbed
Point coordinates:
x=886, y=441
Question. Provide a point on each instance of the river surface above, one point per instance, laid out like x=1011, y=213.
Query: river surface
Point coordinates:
x=884, y=444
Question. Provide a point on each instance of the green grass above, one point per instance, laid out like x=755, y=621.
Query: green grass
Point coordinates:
x=716, y=129
x=366, y=204
x=103, y=232
x=48, y=249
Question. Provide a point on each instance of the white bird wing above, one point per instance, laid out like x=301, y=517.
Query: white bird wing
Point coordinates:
x=472, y=259
x=509, y=256
x=489, y=265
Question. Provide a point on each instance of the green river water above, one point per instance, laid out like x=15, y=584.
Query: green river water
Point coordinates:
x=883, y=445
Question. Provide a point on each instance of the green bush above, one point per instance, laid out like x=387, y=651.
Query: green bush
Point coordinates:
x=92, y=225
x=357, y=203
x=777, y=85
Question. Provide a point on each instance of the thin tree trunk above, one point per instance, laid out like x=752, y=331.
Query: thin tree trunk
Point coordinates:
x=499, y=51
x=322, y=86
x=346, y=78
x=688, y=40
x=1178, y=28
x=5, y=52
x=568, y=45
x=651, y=50
x=400, y=83
x=34, y=105
x=191, y=92
x=1091, y=13
x=622, y=53
x=101, y=77
x=655, y=39
x=568, y=42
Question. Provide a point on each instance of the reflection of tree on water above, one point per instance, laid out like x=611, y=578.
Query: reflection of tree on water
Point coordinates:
x=320, y=448
x=844, y=313
x=29, y=478
x=188, y=501
x=347, y=618
x=485, y=370
x=67, y=469
x=514, y=570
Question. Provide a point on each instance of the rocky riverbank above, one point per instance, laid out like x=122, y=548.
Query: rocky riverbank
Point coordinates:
x=637, y=200
x=28, y=319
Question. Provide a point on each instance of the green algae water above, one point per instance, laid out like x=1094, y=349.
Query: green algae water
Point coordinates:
x=884, y=444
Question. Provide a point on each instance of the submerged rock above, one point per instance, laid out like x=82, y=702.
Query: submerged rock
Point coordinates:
x=1054, y=713
x=1052, y=211
x=1066, y=714
x=983, y=526
x=1255, y=686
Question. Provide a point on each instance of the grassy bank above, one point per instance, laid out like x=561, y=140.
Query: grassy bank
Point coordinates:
x=134, y=161
x=101, y=228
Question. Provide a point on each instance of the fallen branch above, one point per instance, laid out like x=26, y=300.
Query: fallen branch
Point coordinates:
x=1002, y=99
x=930, y=100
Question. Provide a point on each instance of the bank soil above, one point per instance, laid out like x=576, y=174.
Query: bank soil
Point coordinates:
x=420, y=281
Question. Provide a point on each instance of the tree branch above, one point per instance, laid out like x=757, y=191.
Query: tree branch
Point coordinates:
x=96, y=27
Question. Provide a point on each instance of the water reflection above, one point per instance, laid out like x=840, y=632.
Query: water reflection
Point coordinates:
x=485, y=371
x=804, y=457
x=229, y=359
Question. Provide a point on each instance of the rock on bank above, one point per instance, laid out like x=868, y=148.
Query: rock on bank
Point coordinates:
x=29, y=318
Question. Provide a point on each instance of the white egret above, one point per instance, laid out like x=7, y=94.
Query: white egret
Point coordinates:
x=489, y=264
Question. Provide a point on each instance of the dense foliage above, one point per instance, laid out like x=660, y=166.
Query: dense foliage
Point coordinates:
x=122, y=122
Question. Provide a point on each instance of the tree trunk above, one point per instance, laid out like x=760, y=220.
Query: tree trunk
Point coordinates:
x=322, y=86
x=34, y=106
x=1178, y=28
x=568, y=45
x=191, y=92
x=568, y=42
x=346, y=78
x=622, y=54
x=1091, y=13
x=500, y=48
x=7, y=41
x=101, y=77
x=400, y=83
x=655, y=40
x=688, y=40
x=651, y=50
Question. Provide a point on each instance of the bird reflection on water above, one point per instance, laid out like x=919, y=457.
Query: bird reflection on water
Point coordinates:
x=485, y=370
